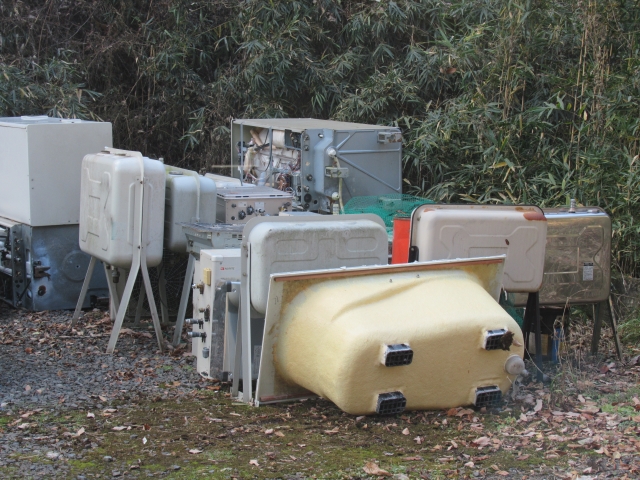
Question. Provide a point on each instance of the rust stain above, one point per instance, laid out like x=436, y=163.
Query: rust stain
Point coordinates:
x=535, y=216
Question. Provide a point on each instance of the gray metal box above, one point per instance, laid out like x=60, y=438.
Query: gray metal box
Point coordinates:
x=206, y=236
x=577, y=267
x=42, y=268
x=368, y=158
x=241, y=204
x=40, y=160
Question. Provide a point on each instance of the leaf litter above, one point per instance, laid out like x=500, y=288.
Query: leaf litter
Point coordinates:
x=585, y=423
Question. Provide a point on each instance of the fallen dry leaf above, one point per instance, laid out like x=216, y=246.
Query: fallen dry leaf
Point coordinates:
x=254, y=462
x=79, y=432
x=91, y=415
x=268, y=431
x=418, y=440
x=412, y=459
x=118, y=429
x=464, y=411
x=28, y=350
x=195, y=451
x=373, y=469
x=481, y=442
x=278, y=433
x=333, y=431
x=538, y=406
x=406, y=431
x=102, y=398
x=27, y=388
x=590, y=409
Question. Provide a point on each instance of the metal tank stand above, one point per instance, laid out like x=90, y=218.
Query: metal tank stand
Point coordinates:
x=85, y=287
x=532, y=319
x=184, y=300
x=139, y=264
x=601, y=309
x=162, y=292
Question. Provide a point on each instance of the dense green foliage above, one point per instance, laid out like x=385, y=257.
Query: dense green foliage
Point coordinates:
x=531, y=101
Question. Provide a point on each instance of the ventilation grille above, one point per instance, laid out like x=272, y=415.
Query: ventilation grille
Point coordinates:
x=391, y=403
x=488, y=397
x=493, y=340
x=397, y=355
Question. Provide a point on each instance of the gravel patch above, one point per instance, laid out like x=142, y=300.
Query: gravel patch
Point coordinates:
x=48, y=369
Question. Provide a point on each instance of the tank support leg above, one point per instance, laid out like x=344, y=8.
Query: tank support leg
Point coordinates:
x=600, y=310
x=532, y=324
x=83, y=292
x=184, y=300
x=162, y=292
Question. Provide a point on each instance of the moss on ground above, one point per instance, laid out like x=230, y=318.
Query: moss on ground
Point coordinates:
x=212, y=435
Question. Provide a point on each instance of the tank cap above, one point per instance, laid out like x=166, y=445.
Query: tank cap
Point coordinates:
x=514, y=365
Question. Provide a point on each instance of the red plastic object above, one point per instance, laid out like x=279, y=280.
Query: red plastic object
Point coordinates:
x=400, y=245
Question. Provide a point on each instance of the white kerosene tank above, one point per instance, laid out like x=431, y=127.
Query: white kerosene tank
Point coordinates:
x=190, y=198
x=107, y=206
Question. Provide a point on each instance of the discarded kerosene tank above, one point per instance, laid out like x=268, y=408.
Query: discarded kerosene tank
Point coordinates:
x=577, y=264
x=442, y=231
x=108, y=199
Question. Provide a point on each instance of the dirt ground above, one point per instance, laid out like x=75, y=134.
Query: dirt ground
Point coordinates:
x=140, y=413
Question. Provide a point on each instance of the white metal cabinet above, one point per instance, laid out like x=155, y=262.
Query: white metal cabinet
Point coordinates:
x=40, y=160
